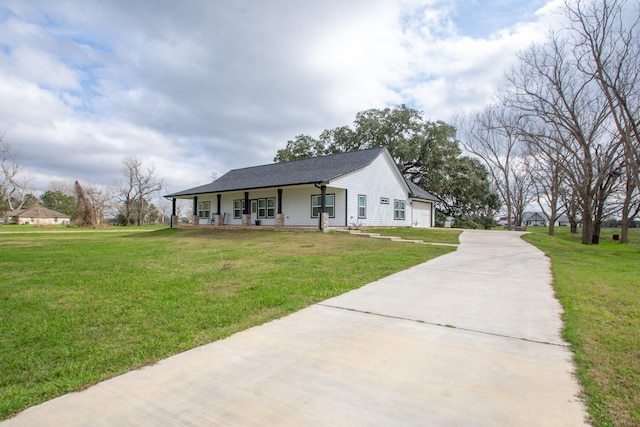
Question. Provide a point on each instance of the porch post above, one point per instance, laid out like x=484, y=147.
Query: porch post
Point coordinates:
x=279, y=200
x=194, y=217
x=323, y=206
x=173, y=219
x=279, y=223
x=217, y=218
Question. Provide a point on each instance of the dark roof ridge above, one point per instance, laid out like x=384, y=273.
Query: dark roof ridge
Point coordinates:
x=307, y=159
x=302, y=171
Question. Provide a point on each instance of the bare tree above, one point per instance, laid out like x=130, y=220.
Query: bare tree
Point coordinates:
x=488, y=135
x=13, y=189
x=62, y=187
x=127, y=189
x=606, y=38
x=545, y=155
x=548, y=86
x=522, y=188
x=102, y=201
x=139, y=185
x=572, y=206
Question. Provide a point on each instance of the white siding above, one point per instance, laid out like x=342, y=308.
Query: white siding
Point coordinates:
x=226, y=204
x=422, y=214
x=296, y=205
x=38, y=221
x=380, y=179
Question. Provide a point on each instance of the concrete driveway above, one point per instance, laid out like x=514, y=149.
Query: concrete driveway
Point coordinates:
x=469, y=339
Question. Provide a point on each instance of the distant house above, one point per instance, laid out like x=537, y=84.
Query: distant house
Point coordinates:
x=503, y=221
x=534, y=219
x=37, y=215
x=362, y=187
x=563, y=221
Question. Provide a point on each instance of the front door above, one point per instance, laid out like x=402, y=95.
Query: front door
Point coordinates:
x=254, y=211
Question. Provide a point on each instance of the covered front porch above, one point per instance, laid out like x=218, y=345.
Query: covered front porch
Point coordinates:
x=306, y=206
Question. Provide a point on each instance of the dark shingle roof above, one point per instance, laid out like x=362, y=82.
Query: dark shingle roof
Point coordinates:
x=306, y=171
x=419, y=193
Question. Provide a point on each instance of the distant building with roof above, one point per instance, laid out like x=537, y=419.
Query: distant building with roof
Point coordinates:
x=37, y=215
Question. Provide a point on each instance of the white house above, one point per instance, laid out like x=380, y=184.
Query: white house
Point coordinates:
x=534, y=219
x=361, y=187
x=563, y=221
x=38, y=215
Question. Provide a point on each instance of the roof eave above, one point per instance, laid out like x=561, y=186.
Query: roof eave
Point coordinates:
x=245, y=189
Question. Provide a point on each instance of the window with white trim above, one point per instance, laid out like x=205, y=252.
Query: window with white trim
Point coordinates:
x=362, y=206
x=204, y=209
x=238, y=208
x=271, y=207
x=316, y=204
x=399, y=209
x=266, y=208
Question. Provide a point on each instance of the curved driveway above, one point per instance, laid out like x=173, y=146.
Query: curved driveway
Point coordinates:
x=469, y=339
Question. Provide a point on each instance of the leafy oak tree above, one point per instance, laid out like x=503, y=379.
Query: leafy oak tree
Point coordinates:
x=427, y=153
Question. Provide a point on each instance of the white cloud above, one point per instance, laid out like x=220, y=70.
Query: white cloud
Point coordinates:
x=43, y=69
x=198, y=87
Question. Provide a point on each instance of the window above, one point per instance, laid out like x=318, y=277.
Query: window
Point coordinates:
x=398, y=209
x=271, y=207
x=238, y=208
x=362, y=206
x=204, y=209
x=316, y=205
x=262, y=208
x=266, y=207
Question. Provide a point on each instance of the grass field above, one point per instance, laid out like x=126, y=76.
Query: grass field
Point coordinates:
x=599, y=288
x=78, y=307
x=441, y=235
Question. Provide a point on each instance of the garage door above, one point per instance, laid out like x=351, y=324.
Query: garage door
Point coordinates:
x=421, y=214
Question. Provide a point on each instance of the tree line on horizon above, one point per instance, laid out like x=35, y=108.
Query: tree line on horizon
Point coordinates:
x=565, y=131
x=127, y=202
x=563, y=134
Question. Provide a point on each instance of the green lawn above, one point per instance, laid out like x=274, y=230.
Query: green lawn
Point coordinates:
x=79, y=307
x=30, y=228
x=432, y=235
x=599, y=288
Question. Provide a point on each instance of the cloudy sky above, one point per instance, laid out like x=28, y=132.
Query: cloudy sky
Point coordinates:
x=195, y=88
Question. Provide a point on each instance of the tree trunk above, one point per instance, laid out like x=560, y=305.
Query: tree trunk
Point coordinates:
x=597, y=225
x=587, y=226
x=552, y=218
x=624, y=230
